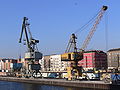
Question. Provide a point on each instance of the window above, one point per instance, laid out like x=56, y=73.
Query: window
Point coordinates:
x=69, y=56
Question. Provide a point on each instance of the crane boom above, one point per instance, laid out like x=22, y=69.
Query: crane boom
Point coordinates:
x=32, y=52
x=72, y=43
x=93, y=29
x=24, y=25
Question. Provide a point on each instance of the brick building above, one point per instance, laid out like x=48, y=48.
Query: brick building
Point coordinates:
x=94, y=60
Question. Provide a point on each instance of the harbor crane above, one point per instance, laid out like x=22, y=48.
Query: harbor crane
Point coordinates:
x=72, y=41
x=32, y=54
x=93, y=29
x=78, y=55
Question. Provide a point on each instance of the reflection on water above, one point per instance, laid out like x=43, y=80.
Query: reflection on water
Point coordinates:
x=25, y=86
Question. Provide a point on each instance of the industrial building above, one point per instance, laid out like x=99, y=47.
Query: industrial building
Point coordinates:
x=93, y=60
x=113, y=56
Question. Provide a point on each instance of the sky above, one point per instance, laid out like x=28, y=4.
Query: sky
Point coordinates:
x=53, y=21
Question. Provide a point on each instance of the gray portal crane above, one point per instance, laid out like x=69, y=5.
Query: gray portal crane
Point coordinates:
x=32, y=51
x=71, y=44
x=32, y=54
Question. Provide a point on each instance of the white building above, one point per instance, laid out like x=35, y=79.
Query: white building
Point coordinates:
x=41, y=61
x=55, y=63
x=64, y=65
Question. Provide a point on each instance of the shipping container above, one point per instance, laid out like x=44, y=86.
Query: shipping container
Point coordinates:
x=35, y=66
x=17, y=66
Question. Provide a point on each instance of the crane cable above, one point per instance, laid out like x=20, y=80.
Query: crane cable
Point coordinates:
x=106, y=30
x=19, y=55
x=87, y=24
x=82, y=28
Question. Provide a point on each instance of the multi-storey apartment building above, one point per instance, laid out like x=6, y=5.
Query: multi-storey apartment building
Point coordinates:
x=113, y=58
x=46, y=63
x=94, y=59
x=55, y=63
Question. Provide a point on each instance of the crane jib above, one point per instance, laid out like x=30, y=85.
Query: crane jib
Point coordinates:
x=31, y=43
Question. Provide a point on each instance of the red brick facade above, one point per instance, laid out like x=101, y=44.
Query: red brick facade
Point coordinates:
x=94, y=59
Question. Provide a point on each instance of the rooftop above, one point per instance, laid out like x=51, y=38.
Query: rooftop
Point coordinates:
x=115, y=49
x=94, y=51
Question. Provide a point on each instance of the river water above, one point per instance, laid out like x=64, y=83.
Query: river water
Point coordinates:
x=4, y=85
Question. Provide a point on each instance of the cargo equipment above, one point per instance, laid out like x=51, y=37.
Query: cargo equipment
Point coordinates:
x=74, y=56
x=32, y=54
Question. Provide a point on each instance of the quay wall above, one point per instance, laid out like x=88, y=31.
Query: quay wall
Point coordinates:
x=59, y=82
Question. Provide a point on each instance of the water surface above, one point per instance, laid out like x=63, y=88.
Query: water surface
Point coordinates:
x=4, y=85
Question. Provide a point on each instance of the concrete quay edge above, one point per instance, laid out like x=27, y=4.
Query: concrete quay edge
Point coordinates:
x=59, y=82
